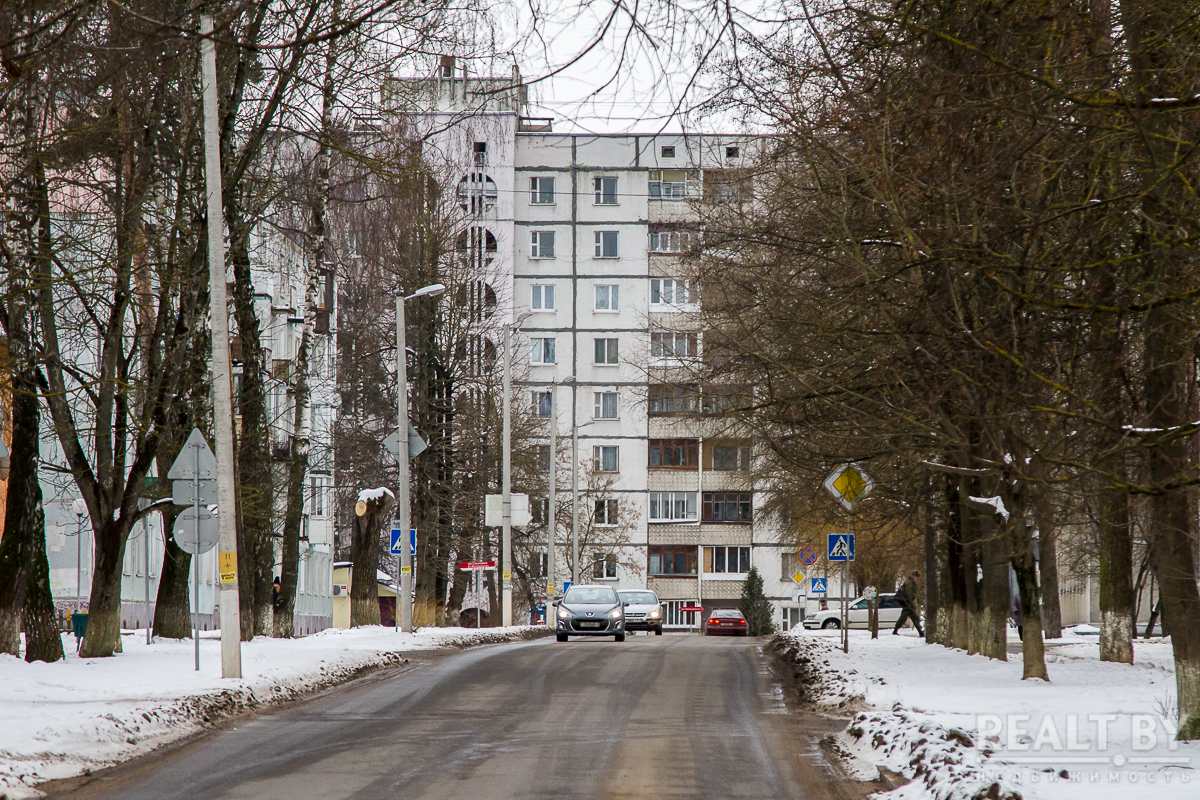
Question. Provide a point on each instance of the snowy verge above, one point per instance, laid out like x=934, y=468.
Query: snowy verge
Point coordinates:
x=76, y=716
x=962, y=727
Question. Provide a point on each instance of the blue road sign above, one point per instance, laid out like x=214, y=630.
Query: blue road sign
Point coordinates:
x=397, y=538
x=841, y=547
x=819, y=586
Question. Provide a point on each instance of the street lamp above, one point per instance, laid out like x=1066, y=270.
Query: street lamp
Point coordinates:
x=80, y=508
x=575, y=495
x=433, y=290
x=551, y=522
x=506, y=480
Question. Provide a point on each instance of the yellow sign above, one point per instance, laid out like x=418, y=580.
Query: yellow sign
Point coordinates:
x=228, y=566
x=849, y=484
x=798, y=577
x=508, y=574
x=550, y=589
x=406, y=570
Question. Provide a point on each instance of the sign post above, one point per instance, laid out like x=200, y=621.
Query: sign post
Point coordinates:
x=849, y=484
x=194, y=463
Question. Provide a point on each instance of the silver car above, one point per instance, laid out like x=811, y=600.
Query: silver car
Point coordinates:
x=590, y=611
x=643, y=611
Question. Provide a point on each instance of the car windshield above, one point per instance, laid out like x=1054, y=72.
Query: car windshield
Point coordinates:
x=640, y=598
x=595, y=595
x=727, y=613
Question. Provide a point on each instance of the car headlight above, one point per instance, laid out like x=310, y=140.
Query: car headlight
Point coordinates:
x=653, y=614
x=563, y=613
x=615, y=613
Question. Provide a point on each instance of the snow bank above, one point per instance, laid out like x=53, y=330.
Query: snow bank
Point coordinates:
x=962, y=726
x=75, y=716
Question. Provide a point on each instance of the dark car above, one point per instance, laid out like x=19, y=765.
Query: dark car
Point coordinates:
x=726, y=622
x=590, y=611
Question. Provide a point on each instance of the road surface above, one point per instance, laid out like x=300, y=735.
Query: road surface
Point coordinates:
x=659, y=717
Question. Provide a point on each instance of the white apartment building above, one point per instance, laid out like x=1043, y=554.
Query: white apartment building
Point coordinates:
x=588, y=233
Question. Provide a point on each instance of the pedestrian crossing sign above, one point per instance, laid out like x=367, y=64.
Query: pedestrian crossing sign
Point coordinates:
x=841, y=547
x=819, y=586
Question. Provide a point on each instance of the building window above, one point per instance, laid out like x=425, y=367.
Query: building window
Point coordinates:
x=670, y=241
x=539, y=513
x=606, y=191
x=542, y=244
x=731, y=151
x=541, y=297
x=730, y=457
x=673, y=507
x=668, y=151
x=319, y=502
x=608, y=297
x=541, y=191
x=727, y=560
x=541, y=404
x=727, y=507
x=477, y=193
x=669, y=184
x=789, y=565
x=674, y=453
x=666, y=400
x=670, y=292
x=606, y=351
x=667, y=559
x=606, y=405
x=673, y=345
x=543, y=457
x=606, y=512
x=681, y=618
x=543, y=351
x=606, y=244
x=604, y=458
x=604, y=567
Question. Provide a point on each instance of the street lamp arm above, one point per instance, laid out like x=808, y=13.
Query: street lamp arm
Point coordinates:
x=432, y=290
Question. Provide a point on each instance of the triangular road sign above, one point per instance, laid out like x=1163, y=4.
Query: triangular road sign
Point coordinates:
x=195, y=460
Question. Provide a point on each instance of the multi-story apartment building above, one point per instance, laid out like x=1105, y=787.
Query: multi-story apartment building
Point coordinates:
x=588, y=233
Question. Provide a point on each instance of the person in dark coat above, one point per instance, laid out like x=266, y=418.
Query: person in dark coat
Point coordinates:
x=907, y=596
x=1018, y=616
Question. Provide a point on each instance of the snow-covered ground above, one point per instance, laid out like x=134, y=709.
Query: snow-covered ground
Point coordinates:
x=957, y=725
x=70, y=717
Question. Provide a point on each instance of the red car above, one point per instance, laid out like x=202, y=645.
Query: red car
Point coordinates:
x=726, y=622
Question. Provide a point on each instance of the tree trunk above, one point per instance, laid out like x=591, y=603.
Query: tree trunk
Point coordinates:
x=935, y=567
x=1048, y=564
x=172, y=607
x=957, y=625
x=21, y=514
x=103, y=637
x=256, y=548
x=1033, y=650
x=43, y=642
x=364, y=557
x=1116, y=577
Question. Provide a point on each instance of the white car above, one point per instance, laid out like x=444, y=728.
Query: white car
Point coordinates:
x=889, y=612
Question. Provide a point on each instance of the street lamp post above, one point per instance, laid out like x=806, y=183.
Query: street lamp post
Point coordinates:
x=79, y=507
x=406, y=577
x=506, y=480
x=575, y=496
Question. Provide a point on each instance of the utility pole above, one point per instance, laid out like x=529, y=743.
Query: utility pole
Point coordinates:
x=506, y=480
x=231, y=628
x=550, y=521
x=574, y=498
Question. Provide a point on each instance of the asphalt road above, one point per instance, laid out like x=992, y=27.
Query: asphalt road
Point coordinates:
x=655, y=717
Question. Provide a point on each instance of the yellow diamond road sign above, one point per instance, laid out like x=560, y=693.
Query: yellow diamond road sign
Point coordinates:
x=798, y=577
x=849, y=484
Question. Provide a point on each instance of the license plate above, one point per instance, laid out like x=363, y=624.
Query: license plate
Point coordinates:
x=591, y=624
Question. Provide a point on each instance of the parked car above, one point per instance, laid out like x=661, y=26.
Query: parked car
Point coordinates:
x=590, y=611
x=643, y=611
x=726, y=622
x=889, y=612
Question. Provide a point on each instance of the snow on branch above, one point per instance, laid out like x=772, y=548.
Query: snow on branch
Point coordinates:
x=994, y=503
x=367, y=495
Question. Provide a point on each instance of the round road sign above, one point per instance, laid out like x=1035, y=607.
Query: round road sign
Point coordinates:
x=807, y=555
x=186, y=533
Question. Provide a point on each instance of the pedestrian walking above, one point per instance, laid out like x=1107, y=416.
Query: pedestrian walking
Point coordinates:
x=907, y=596
x=1018, y=616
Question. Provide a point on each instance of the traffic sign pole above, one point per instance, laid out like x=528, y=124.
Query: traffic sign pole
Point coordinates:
x=196, y=558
